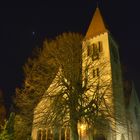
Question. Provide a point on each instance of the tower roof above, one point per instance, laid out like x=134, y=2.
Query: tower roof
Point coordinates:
x=96, y=26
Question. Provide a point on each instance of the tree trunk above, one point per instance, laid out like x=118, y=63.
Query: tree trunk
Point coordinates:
x=74, y=130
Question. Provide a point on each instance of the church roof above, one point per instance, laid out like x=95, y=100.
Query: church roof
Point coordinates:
x=96, y=26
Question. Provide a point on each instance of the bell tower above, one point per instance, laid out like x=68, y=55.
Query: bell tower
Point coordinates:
x=100, y=49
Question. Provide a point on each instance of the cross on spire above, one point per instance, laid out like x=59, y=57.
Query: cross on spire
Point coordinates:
x=97, y=3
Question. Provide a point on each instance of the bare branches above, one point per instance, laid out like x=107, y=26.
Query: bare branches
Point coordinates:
x=75, y=93
x=62, y=88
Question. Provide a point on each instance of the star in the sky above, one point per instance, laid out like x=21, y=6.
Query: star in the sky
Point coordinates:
x=33, y=33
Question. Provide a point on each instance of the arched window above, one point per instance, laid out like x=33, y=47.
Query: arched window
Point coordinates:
x=62, y=134
x=43, y=134
x=49, y=134
x=39, y=134
x=68, y=133
x=94, y=50
x=122, y=137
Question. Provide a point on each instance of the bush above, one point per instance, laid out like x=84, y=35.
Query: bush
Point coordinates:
x=7, y=131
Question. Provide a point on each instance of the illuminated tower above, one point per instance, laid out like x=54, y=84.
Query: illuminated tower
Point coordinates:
x=100, y=49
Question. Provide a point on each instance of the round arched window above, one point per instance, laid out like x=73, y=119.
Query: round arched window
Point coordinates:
x=122, y=137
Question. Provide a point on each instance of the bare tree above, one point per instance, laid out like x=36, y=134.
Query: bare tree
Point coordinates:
x=62, y=91
x=76, y=95
x=39, y=71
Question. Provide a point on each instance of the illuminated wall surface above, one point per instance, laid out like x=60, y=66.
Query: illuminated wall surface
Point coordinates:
x=105, y=64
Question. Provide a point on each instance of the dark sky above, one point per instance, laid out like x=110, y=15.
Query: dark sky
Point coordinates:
x=23, y=26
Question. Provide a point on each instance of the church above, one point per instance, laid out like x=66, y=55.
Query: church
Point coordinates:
x=99, y=46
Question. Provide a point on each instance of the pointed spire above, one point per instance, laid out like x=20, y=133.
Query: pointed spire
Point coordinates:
x=96, y=26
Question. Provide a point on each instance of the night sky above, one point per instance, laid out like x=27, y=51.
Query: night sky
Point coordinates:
x=23, y=26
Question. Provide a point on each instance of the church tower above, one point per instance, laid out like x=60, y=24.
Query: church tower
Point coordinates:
x=101, y=51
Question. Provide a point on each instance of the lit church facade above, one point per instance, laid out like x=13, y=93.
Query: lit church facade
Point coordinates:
x=99, y=47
